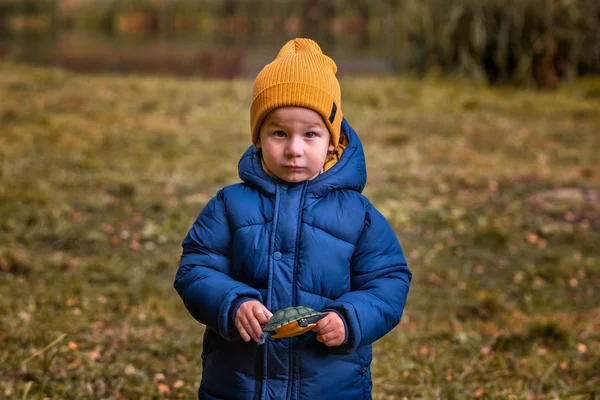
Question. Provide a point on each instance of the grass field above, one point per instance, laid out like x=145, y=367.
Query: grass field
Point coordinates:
x=494, y=195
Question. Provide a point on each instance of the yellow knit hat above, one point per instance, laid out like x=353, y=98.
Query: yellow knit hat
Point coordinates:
x=301, y=76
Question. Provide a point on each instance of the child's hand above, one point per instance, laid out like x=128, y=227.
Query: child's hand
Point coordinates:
x=331, y=330
x=248, y=318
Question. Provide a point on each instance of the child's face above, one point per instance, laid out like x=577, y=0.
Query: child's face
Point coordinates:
x=294, y=142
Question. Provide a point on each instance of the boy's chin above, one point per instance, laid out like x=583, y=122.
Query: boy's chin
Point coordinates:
x=293, y=179
x=296, y=177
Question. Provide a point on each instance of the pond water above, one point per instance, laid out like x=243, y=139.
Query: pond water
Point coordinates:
x=220, y=57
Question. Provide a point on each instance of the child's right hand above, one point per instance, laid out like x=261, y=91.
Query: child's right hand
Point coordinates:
x=248, y=318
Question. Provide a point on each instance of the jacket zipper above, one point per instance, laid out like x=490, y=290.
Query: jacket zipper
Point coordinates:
x=269, y=288
x=294, y=376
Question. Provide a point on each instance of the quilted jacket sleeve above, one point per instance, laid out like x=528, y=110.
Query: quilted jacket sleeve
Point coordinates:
x=204, y=276
x=380, y=284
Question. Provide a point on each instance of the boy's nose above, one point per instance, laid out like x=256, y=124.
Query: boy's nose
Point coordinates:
x=294, y=148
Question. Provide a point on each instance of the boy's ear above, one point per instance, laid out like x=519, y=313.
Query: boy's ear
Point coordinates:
x=331, y=148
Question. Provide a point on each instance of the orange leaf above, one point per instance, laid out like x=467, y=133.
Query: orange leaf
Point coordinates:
x=179, y=383
x=115, y=240
x=573, y=282
x=72, y=302
x=531, y=237
x=135, y=245
x=564, y=365
x=108, y=228
x=163, y=389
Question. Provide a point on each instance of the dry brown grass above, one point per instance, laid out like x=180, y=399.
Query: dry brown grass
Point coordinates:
x=493, y=194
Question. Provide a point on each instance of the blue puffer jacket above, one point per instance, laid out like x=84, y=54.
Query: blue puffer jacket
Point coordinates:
x=319, y=244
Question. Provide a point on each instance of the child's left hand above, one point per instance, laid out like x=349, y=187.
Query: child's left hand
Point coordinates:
x=330, y=330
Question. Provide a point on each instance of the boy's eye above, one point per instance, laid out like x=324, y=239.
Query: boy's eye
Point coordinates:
x=310, y=135
x=279, y=134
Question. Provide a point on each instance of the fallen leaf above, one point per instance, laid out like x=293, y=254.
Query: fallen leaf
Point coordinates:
x=179, y=383
x=135, y=245
x=569, y=216
x=538, y=281
x=130, y=370
x=163, y=389
x=531, y=237
x=73, y=346
x=72, y=302
x=518, y=277
x=564, y=365
x=108, y=228
x=115, y=240
x=573, y=283
x=94, y=355
x=433, y=278
x=25, y=316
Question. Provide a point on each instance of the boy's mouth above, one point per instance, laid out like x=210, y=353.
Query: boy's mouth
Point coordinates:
x=293, y=167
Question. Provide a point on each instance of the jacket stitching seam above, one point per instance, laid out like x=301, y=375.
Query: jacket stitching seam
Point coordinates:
x=203, y=248
x=316, y=294
x=256, y=224
x=329, y=233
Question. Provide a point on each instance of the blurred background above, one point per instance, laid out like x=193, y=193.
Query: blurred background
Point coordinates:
x=532, y=42
x=480, y=121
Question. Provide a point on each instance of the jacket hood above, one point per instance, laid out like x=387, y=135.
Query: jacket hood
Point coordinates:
x=350, y=172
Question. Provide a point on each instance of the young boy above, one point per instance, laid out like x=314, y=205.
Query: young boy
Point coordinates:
x=296, y=231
